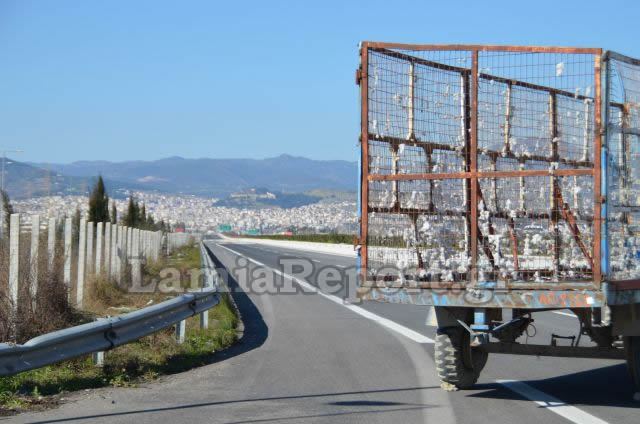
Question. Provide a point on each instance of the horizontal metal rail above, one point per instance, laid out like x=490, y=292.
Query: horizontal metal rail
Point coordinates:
x=557, y=351
x=107, y=333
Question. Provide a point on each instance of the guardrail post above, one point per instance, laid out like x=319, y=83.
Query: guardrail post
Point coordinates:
x=99, y=233
x=14, y=267
x=204, y=320
x=67, y=254
x=33, y=253
x=181, y=329
x=98, y=359
x=89, y=258
x=107, y=249
x=204, y=316
x=51, y=243
x=82, y=240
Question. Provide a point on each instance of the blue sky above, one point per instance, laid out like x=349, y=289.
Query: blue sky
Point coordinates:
x=124, y=80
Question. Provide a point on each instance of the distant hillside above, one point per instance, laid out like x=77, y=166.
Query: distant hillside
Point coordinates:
x=24, y=180
x=220, y=177
x=261, y=198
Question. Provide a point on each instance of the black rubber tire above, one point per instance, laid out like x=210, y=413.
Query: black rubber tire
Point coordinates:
x=449, y=359
x=632, y=353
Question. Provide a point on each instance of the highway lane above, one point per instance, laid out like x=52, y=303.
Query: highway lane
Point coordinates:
x=414, y=317
x=598, y=386
x=306, y=358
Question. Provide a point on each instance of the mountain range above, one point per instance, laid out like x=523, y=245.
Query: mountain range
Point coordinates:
x=202, y=177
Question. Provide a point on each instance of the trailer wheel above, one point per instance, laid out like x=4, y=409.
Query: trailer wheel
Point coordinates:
x=632, y=352
x=454, y=372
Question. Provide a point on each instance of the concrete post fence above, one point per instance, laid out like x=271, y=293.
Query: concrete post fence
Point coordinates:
x=116, y=251
x=107, y=249
x=82, y=240
x=67, y=253
x=51, y=243
x=90, y=259
x=98, y=260
x=33, y=253
x=14, y=258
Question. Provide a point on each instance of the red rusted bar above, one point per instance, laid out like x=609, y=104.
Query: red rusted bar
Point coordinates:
x=568, y=216
x=514, y=244
x=419, y=61
x=364, y=160
x=484, y=48
x=570, y=219
x=380, y=282
x=483, y=239
x=555, y=189
x=487, y=249
x=473, y=167
x=625, y=285
x=481, y=174
x=431, y=146
x=597, y=177
x=466, y=98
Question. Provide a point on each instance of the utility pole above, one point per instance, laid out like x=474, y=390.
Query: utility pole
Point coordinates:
x=4, y=163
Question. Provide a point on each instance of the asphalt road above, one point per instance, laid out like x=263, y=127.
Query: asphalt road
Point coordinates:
x=313, y=358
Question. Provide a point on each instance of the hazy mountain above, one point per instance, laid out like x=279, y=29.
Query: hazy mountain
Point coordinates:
x=218, y=177
x=23, y=180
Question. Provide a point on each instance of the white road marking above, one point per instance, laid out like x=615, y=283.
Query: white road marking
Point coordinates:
x=387, y=323
x=549, y=402
x=566, y=314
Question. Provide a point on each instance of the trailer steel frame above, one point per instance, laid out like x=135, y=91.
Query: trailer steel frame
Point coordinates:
x=552, y=293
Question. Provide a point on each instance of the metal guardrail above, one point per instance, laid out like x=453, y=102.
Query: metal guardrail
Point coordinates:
x=108, y=333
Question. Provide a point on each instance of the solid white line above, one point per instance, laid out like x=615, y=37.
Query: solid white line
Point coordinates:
x=566, y=314
x=387, y=323
x=557, y=406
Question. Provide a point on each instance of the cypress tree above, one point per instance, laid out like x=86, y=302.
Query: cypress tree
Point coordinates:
x=114, y=213
x=131, y=217
x=151, y=223
x=142, y=217
x=75, y=225
x=7, y=206
x=99, y=203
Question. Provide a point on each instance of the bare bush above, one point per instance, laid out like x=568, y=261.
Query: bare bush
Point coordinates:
x=39, y=311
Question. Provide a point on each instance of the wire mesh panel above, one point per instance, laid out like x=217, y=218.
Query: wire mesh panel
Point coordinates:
x=480, y=164
x=623, y=139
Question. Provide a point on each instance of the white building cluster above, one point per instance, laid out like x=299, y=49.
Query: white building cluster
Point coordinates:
x=201, y=214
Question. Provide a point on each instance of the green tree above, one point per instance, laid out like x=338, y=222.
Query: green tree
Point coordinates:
x=142, y=217
x=75, y=225
x=151, y=223
x=7, y=206
x=130, y=219
x=99, y=203
x=114, y=213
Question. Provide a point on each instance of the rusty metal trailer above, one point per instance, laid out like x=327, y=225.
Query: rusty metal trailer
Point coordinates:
x=497, y=178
